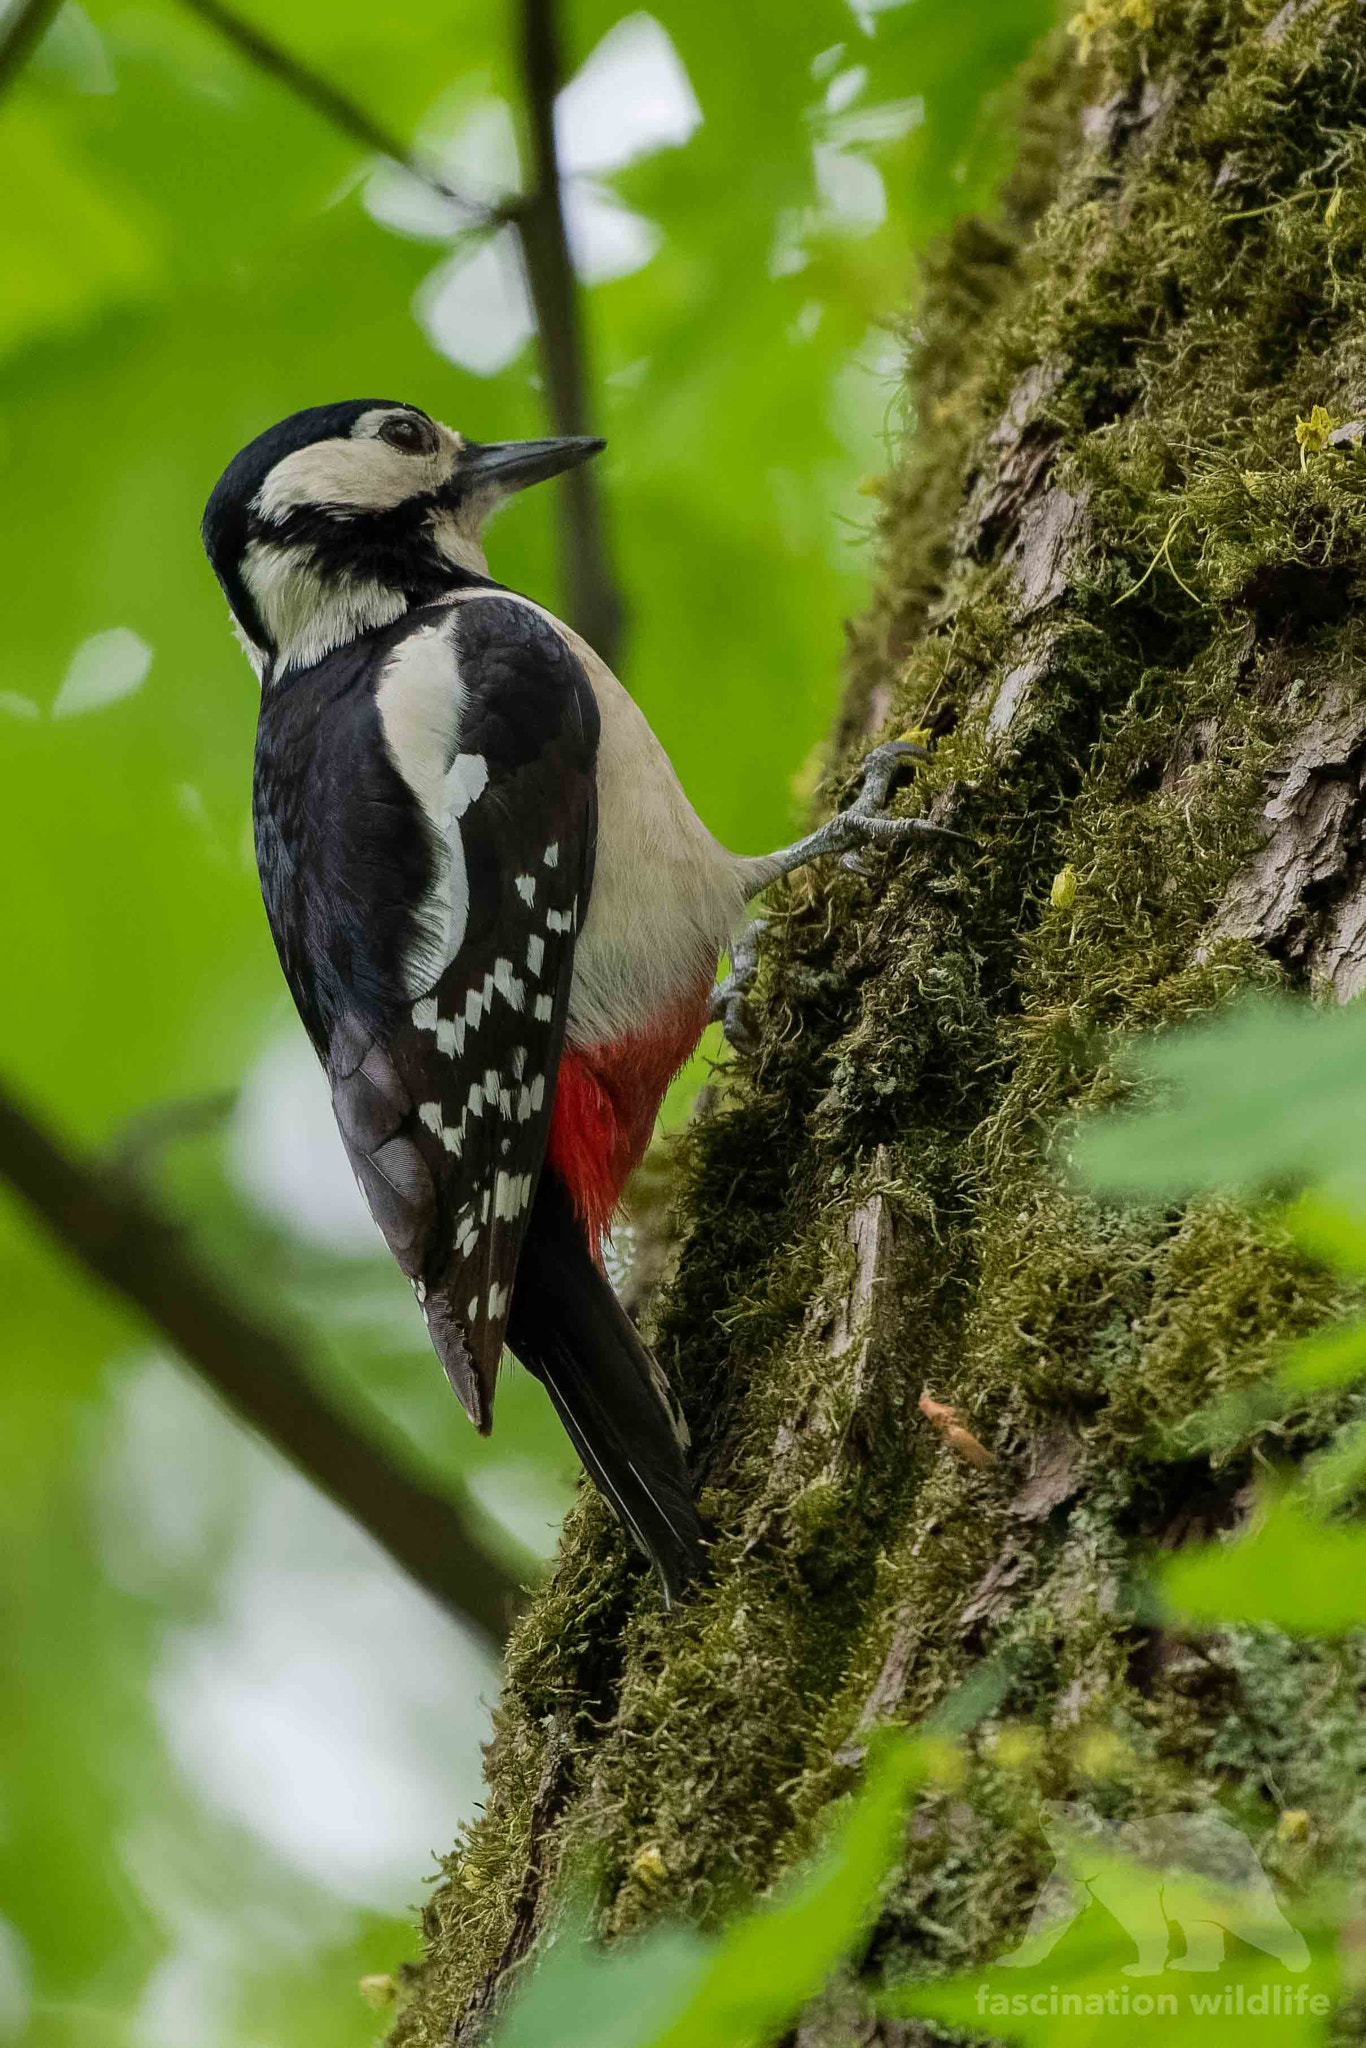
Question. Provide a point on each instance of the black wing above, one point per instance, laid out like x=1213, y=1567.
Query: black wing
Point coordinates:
x=440, y=1030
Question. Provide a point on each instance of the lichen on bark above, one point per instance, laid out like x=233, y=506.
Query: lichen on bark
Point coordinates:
x=1125, y=596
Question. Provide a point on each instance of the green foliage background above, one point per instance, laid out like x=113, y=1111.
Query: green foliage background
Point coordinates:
x=187, y=254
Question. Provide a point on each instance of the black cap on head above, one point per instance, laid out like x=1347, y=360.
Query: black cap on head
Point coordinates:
x=225, y=521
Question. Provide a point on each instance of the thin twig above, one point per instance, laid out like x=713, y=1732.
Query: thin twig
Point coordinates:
x=112, y=1229
x=338, y=107
x=21, y=36
x=594, y=602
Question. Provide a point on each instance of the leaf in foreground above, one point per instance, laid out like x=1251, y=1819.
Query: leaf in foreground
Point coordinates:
x=1293, y=1572
x=678, y=1990
x=1089, y=1989
x=1272, y=1091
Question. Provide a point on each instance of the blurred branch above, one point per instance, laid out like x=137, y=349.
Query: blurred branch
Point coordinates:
x=142, y=1136
x=338, y=107
x=594, y=602
x=105, y=1222
x=20, y=35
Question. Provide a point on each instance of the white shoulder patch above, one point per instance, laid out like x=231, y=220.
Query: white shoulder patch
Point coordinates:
x=421, y=699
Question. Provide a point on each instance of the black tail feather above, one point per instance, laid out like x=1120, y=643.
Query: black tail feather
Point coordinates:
x=568, y=1328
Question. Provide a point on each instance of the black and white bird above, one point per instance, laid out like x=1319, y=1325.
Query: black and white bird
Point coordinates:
x=498, y=914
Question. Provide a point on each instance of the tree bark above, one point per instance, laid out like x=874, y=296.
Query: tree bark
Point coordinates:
x=1125, y=597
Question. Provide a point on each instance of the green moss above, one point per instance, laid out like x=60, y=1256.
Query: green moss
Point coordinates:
x=1195, y=285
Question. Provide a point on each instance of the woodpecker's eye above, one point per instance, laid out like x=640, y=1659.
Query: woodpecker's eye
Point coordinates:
x=414, y=436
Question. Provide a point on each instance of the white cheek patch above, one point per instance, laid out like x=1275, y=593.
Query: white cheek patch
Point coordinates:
x=307, y=615
x=351, y=474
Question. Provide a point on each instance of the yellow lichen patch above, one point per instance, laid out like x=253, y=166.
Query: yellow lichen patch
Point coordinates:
x=1313, y=433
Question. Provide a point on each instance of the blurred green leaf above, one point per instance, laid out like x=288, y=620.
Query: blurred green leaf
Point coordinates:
x=1331, y=1227
x=1294, y=1571
x=72, y=249
x=1089, y=1989
x=1270, y=1092
x=676, y=1990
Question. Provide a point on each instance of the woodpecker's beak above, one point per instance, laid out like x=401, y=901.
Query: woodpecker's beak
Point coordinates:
x=512, y=465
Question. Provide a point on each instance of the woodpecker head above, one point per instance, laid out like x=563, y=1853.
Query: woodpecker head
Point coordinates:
x=341, y=517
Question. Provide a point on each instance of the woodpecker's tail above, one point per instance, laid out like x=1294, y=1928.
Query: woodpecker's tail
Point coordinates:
x=568, y=1328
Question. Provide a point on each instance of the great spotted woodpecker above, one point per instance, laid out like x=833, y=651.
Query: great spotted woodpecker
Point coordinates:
x=497, y=912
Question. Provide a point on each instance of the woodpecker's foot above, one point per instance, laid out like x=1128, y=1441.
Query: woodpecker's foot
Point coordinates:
x=862, y=824
x=880, y=770
x=855, y=828
x=727, y=1006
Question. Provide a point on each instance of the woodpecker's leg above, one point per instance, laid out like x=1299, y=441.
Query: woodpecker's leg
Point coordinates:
x=861, y=825
x=727, y=1005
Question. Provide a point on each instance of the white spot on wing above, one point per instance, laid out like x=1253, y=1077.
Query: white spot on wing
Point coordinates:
x=430, y=1115
x=424, y=1015
x=551, y=856
x=526, y=889
x=508, y=986
x=559, y=920
x=535, y=953
x=466, y=780
x=538, y=1091
x=544, y=1009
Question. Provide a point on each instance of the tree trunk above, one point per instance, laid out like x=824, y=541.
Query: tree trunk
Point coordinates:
x=1125, y=598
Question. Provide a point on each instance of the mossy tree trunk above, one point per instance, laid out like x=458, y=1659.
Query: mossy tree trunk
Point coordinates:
x=1126, y=597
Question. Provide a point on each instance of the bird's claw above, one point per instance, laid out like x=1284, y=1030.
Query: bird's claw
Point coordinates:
x=864, y=823
x=727, y=1005
x=880, y=770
